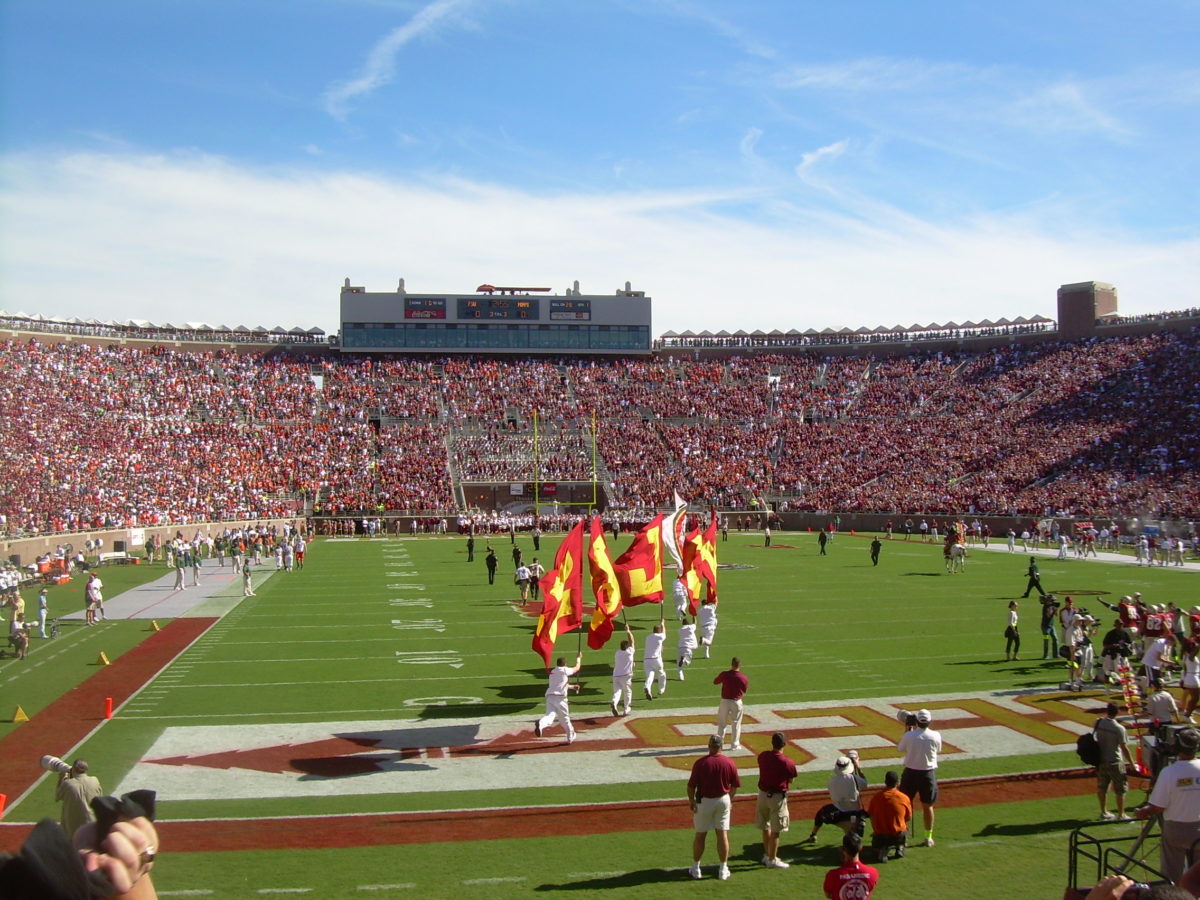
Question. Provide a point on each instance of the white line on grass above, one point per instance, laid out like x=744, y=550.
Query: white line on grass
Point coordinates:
x=386, y=887
x=512, y=879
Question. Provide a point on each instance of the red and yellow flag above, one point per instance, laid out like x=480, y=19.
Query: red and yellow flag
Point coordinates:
x=706, y=564
x=639, y=569
x=690, y=574
x=605, y=586
x=562, y=595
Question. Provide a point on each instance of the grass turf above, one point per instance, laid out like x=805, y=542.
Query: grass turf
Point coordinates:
x=323, y=644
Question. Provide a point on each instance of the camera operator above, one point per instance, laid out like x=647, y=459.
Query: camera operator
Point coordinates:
x=1176, y=796
x=920, y=746
x=1049, y=619
x=1117, y=647
x=1160, y=705
x=76, y=790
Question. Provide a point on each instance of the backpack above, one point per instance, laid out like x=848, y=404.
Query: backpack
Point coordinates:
x=1088, y=749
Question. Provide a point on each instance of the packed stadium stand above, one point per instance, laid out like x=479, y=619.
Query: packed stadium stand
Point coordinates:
x=106, y=432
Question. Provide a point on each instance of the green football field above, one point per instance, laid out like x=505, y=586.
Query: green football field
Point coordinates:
x=389, y=679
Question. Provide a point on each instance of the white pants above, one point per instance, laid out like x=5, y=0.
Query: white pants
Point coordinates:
x=558, y=710
x=622, y=697
x=729, y=715
x=655, y=667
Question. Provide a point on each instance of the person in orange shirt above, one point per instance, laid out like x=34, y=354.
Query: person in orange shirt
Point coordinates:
x=890, y=812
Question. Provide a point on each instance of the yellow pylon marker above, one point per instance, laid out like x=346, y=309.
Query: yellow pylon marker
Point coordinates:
x=103, y=660
x=154, y=625
x=19, y=715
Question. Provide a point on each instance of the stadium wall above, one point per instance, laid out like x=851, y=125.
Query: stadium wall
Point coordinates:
x=24, y=551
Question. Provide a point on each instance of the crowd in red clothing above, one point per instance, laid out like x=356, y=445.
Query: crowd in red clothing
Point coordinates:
x=108, y=436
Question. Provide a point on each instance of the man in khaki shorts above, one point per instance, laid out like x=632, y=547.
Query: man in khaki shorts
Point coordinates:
x=711, y=789
x=775, y=774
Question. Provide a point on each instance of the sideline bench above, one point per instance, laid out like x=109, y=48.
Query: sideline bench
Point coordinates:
x=116, y=556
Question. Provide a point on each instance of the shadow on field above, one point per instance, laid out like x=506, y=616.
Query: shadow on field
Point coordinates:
x=922, y=574
x=630, y=879
x=1030, y=828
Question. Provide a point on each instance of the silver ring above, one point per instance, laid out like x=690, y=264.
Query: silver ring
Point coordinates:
x=146, y=857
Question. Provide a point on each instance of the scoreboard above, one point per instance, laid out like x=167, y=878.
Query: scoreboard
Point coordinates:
x=508, y=322
x=498, y=308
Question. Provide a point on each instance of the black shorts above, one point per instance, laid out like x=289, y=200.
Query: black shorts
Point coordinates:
x=920, y=783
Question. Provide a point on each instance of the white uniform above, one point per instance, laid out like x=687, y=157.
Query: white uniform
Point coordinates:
x=622, y=680
x=687, y=643
x=681, y=599
x=708, y=625
x=557, y=708
x=652, y=660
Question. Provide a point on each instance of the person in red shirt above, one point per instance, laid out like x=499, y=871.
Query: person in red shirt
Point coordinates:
x=711, y=788
x=775, y=774
x=852, y=880
x=729, y=714
x=890, y=812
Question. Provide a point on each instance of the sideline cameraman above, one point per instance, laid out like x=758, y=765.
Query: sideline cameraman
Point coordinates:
x=76, y=790
x=920, y=746
x=1176, y=796
x=1049, y=620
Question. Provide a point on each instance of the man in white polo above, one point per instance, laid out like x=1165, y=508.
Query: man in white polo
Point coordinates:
x=1176, y=795
x=920, y=746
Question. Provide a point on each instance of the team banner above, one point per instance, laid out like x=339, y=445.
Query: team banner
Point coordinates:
x=639, y=569
x=605, y=587
x=672, y=532
x=690, y=576
x=562, y=595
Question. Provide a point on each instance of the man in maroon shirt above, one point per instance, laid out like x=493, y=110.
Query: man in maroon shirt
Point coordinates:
x=729, y=714
x=851, y=880
x=711, y=790
x=775, y=774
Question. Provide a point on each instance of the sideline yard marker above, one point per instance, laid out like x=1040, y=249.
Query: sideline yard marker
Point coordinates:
x=19, y=715
x=154, y=625
x=103, y=659
x=108, y=705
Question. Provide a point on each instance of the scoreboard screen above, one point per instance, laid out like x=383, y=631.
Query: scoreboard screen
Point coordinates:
x=498, y=308
x=571, y=310
x=424, y=307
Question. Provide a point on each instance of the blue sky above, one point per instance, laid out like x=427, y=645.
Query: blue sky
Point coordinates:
x=748, y=163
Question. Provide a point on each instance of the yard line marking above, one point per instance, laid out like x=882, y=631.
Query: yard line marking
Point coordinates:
x=595, y=874
x=385, y=887
x=513, y=879
x=191, y=893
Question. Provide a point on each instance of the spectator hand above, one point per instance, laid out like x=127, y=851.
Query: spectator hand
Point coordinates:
x=123, y=857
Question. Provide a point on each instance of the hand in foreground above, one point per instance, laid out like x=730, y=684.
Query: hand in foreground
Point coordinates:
x=1111, y=888
x=125, y=856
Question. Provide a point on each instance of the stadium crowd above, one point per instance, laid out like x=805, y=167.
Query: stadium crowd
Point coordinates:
x=110, y=436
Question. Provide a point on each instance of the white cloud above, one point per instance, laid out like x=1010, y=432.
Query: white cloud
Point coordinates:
x=380, y=64
x=829, y=151
x=197, y=238
x=1064, y=107
x=872, y=75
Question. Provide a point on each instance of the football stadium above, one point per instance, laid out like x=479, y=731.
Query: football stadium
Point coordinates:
x=316, y=593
